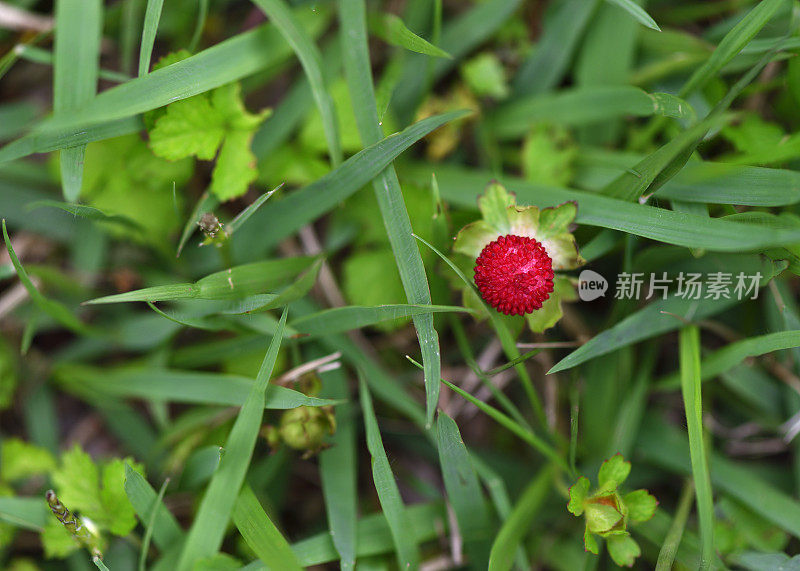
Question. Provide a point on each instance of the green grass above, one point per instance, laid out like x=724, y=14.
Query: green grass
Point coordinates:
x=316, y=380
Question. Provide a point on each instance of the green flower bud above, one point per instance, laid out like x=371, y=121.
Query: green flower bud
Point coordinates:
x=607, y=513
x=305, y=428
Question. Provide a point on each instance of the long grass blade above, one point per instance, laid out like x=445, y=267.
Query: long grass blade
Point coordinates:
x=462, y=186
x=546, y=66
x=693, y=403
x=672, y=541
x=519, y=521
x=583, y=106
x=637, y=12
x=722, y=360
x=144, y=499
x=352, y=14
x=341, y=319
x=311, y=59
x=386, y=486
x=286, y=216
x=238, y=281
x=261, y=534
x=208, y=529
x=54, y=309
x=152, y=16
x=172, y=385
x=339, y=471
x=464, y=492
x=75, y=69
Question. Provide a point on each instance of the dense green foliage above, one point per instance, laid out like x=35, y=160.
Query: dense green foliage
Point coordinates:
x=238, y=322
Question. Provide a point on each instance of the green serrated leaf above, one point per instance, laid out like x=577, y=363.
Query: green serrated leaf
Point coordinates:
x=551, y=311
x=191, y=127
x=208, y=123
x=57, y=541
x=613, y=472
x=493, y=204
x=641, y=505
x=120, y=516
x=577, y=495
x=236, y=166
x=623, y=550
x=590, y=542
x=19, y=459
x=77, y=483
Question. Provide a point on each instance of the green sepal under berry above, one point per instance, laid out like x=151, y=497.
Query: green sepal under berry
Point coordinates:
x=607, y=513
x=550, y=226
x=501, y=215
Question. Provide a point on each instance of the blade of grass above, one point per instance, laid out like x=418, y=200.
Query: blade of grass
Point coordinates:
x=386, y=486
x=151, y=522
x=286, y=216
x=207, y=203
x=459, y=37
x=297, y=289
x=500, y=499
x=165, y=528
x=230, y=60
x=469, y=358
x=733, y=43
x=351, y=317
x=391, y=29
x=71, y=137
x=339, y=471
x=178, y=386
x=652, y=172
x=693, y=403
x=374, y=535
x=546, y=66
x=651, y=222
x=632, y=409
x=202, y=14
x=666, y=556
x=606, y=57
x=76, y=64
x=245, y=214
x=54, y=309
x=665, y=446
x=27, y=513
x=208, y=529
x=637, y=12
x=42, y=56
x=311, y=60
x=261, y=534
x=583, y=106
x=526, y=435
x=734, y=353
x=519, y=522
x=352, y=15
x=152, y=16
x=238, y=281
x=461, y=483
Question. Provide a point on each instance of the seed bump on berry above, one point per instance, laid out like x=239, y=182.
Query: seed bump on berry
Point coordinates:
x=514, y=274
